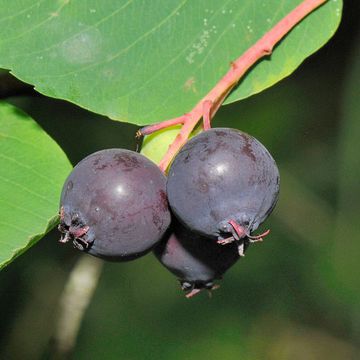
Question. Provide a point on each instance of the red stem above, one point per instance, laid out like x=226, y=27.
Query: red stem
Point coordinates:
x=147, y=130
x=221, y=90
x=207, y=107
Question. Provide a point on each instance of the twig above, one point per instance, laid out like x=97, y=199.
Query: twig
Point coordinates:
x=207, y=107
x=74, y=300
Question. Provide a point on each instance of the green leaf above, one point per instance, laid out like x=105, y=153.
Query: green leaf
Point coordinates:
x=156, y=144
x=145, y=61
x=33, y=170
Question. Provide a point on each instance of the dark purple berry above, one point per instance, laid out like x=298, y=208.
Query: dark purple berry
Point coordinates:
x=223, y=184
x=197, y=261
x=114, y=205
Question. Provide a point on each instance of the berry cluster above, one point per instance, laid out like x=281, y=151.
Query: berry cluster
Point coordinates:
x=117, y=205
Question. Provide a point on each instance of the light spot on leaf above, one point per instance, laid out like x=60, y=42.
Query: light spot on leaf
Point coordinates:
x=82, y=48
x=190, y=85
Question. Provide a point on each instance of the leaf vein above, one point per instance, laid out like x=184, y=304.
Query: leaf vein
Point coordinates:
x=27, y=167
x=93, y=26
x=7, y=203
x=12, y=16
x=26, y=189
x=122, y=51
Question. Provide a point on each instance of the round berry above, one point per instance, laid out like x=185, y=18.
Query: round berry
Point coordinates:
x=114, y=206
x=223, y=184
x=196, y=260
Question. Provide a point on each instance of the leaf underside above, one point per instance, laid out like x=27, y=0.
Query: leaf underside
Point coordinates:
x=144, y=62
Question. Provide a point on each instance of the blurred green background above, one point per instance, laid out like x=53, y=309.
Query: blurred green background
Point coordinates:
x=295, y=296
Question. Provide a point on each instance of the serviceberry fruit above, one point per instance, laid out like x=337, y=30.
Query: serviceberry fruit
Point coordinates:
x=223, y=184
x=114, y=206
x=197, y=261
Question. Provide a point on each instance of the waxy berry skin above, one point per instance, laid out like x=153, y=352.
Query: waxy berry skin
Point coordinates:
x=196, y=260
x=114, y=206
x=223, y=183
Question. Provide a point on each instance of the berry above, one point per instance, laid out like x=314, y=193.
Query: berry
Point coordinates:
x=196, y=260
x=114, y=206
x=223, y=184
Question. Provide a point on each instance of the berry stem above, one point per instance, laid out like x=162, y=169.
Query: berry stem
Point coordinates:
x=146, y=130
x=263, y=47
x=207, y=106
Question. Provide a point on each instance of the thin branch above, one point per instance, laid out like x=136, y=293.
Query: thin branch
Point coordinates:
x=74, y=301
x=239, y=67
x=147, y=130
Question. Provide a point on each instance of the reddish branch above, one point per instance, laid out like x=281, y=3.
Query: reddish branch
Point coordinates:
x=207, y=107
